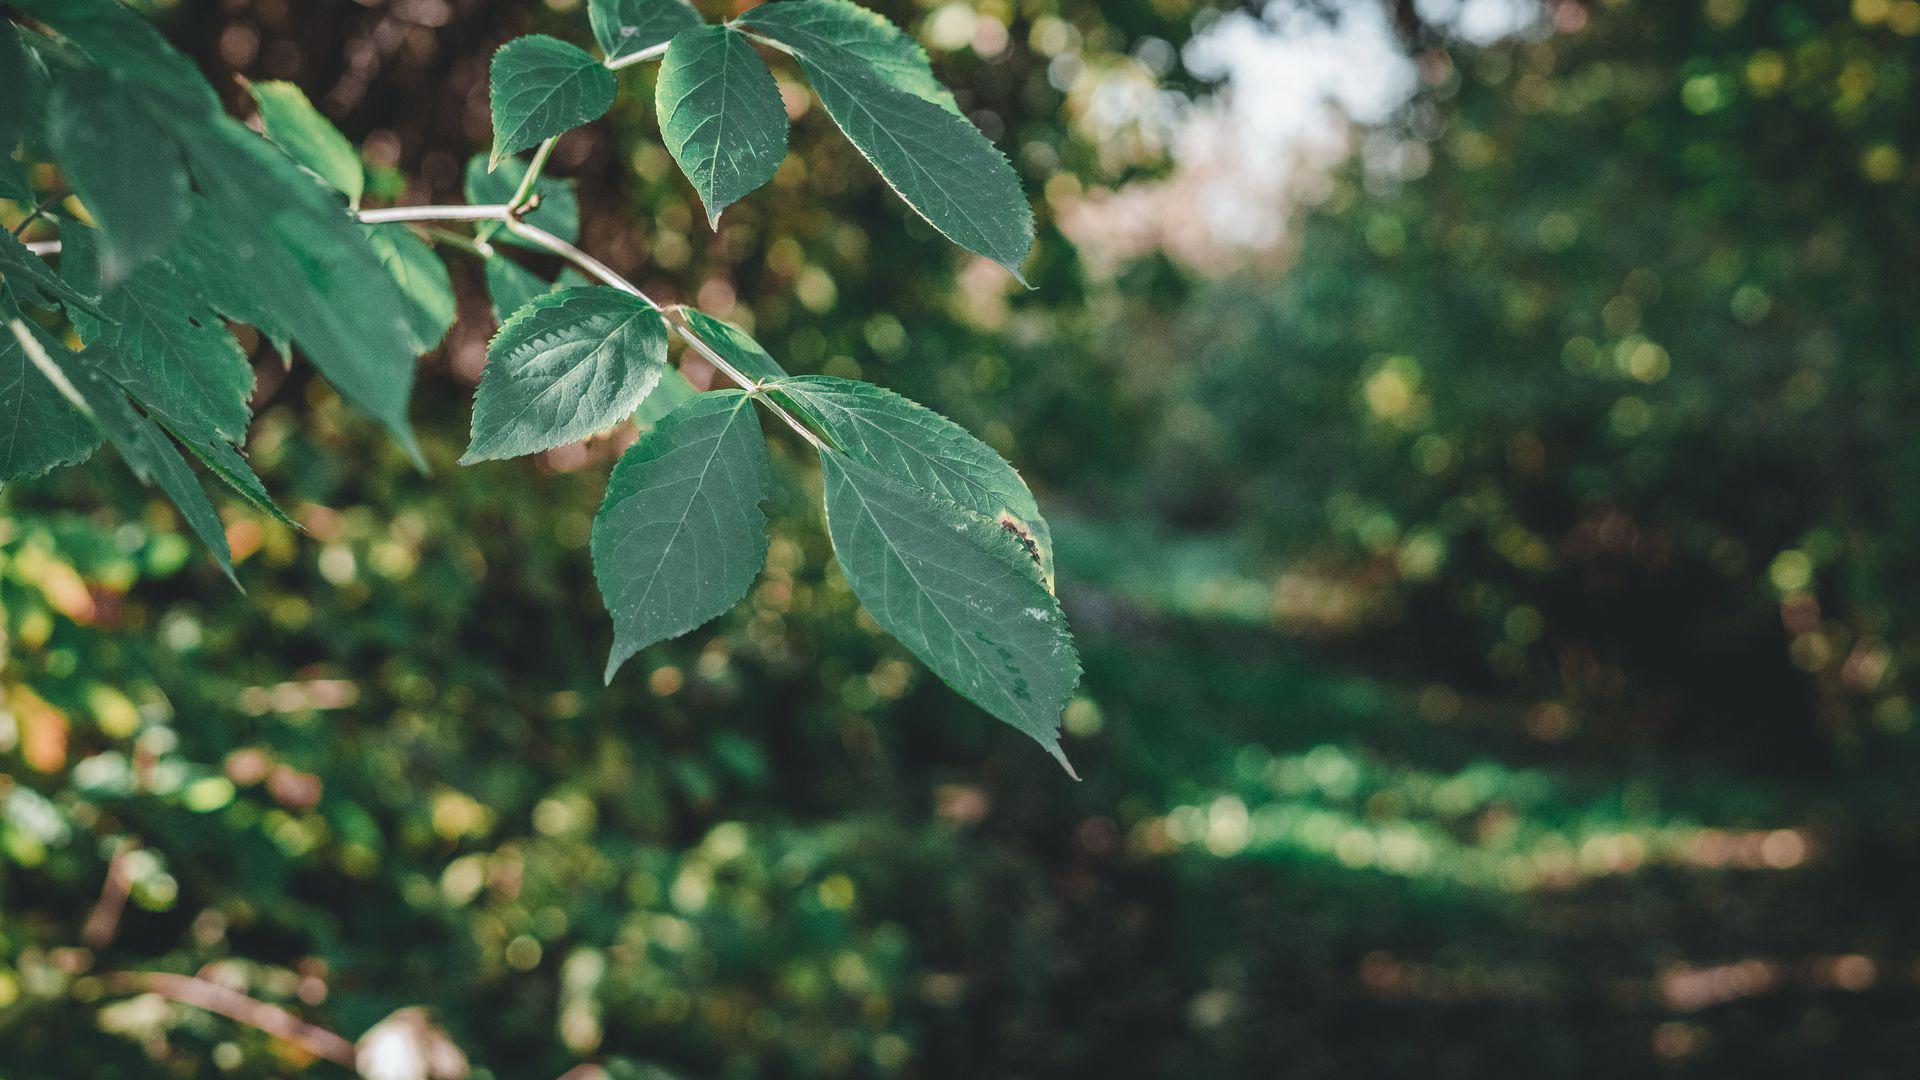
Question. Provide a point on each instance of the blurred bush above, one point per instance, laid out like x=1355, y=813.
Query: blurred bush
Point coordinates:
x=1592, y=371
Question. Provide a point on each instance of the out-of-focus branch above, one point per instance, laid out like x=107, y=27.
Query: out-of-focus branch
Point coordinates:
x=104, y=921
x=236, y=1006
x=1409, y=25
x=47, y=204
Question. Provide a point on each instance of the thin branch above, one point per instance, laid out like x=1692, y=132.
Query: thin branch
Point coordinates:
x=606, y=274
x=434, y=213
x=592, y=266
x=751, y=386
x=234, y=1005
x=464, y=243
x=506, y=214
x=651, y=52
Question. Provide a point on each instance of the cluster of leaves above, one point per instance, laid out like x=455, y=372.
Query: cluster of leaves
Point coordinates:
x=938, y=535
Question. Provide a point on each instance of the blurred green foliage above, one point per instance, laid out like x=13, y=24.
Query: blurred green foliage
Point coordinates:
x=1497, y=622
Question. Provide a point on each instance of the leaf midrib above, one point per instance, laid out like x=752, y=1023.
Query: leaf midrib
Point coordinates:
x=686, y=513
x=893, y=549
x=554, y=385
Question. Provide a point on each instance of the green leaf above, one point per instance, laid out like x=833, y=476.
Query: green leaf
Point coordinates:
x=625, y=27
x=141, y=443
x=118, y=157
x=563, y=367
x=34, y=282
x=937, y=161
x=914, y=445
x=720, y=115
x=957, y=590
x=423, y=281
x=674, y=391
x=13, y=180
x=124, y=43
x=163, y=344
x=268, y=245
x=39, y=428
x=819, y=25
x=169, y=352
x=16, y=91
x=543, y=87
x=153, y=457
x=309, y=138
x=225, y=462
x=558, y=212
x=681, y=536
x=511, y=286
x=733, y=345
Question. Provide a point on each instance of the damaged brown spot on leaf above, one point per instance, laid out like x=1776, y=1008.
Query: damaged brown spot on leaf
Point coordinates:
x=1023, y=534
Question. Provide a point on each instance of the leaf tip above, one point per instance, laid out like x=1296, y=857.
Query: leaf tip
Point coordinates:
x=1060, y=756
x=615, y=660
x=403, y=434
x=224, y=560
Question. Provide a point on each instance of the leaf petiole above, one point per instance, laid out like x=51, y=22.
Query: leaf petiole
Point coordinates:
x=534, y=169
x=651, y=52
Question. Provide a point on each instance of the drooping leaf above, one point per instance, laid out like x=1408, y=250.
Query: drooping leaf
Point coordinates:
x=309, y=138
x=934, y=159
x=124, y=43
x=121, y=162
x=16, y=91
x=916, y=446
x=566, y=365
x=810, y=25
x=265, y=243
x=154, y=458
x=225, y=462
x=21, y=94
x=511, y=286
x=720, y=115
x=270, y=246
x=422, y=279
x=34, y=282
x=542, y=87
x=39, y=428
x=198, y=257
x=680, y=536
x=169, y=352
x=141, y=443
x=733, y=345
x=957, y=590
x=13, y=180
x=163, y=344
x=625, y=27
x=558, y=212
